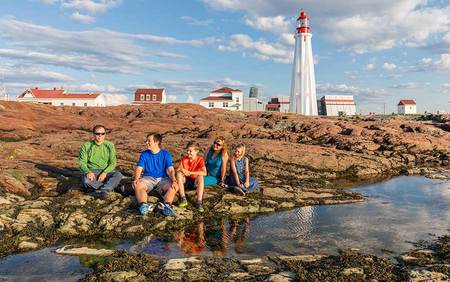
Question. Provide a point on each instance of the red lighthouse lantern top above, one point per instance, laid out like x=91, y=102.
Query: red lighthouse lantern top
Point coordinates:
x=303, y=22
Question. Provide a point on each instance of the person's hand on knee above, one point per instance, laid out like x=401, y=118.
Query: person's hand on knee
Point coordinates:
x=90, y=176
x=102, y=177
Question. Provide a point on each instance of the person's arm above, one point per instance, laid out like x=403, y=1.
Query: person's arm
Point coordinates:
x=234, y=171
x=83, y=159
x=247, y=174
x=223, y=168
x=182, y=169
x=112, y=161
x=201, y=172
x=137, y=175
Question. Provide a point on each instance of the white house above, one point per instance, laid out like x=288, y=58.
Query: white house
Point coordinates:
x=150, y=96
x=335, y=105
x=58, y=97
x=407, y=107
x=279, y=104
x=224, y=98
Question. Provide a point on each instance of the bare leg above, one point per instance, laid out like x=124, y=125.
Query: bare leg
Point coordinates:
x=140, y=190
x=170, y=193
x=181, y=179
x=200, y=188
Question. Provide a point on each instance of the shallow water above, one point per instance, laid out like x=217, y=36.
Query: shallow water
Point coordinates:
x=42, y=265
x=397, y=212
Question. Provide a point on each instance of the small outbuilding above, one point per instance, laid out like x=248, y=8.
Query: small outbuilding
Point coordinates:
x=149, y=96
x=407, y=107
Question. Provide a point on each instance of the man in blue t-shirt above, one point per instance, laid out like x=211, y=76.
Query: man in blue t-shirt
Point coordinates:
x=155, y=170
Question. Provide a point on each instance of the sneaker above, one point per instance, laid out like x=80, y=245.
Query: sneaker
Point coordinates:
x=183, y=203
x=166, y=209
x=100, y=194
x=238, y=191
x=200, y=207
x=145, y=208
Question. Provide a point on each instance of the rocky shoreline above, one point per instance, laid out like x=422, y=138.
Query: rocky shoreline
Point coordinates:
x=300, y=161
x=430, y=263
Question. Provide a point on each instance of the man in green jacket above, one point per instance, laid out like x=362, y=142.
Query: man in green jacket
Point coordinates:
x=97, y=163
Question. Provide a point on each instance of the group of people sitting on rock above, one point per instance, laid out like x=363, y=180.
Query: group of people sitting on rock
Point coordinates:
x=155, y=171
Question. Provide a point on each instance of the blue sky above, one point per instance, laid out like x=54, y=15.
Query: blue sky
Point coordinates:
x=375, y=50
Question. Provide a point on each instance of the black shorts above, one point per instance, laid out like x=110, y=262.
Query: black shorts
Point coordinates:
x=189, y=184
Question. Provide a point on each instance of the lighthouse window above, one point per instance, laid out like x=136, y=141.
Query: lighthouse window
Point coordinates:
x=148, y=97
x=237, y=99
x=142, y=97
x=154, y=97
x=211, y=104
x=225, y=105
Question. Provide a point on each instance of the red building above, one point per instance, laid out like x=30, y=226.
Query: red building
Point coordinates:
x=150, y=96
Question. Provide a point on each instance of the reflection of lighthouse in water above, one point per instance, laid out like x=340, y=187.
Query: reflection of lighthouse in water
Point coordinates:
x=303, y=88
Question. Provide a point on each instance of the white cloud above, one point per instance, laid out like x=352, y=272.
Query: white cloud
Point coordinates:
x=92, y=87
x=190, y=99
x=85, y=19
x=116, y=99
x=90, y=6
x=361, y=27
x=275, y=24
x=196, y=22
x=259, y=49
x=441, y=64
x=409, y=85
x=370, y=66
x=389, y=66
x=31, y=75
x=171, y=98
x=98, y=50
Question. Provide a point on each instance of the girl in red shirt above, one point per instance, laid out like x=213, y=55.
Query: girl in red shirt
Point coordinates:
x=191, y=166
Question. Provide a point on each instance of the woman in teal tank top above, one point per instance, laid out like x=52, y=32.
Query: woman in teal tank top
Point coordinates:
x=216, y=159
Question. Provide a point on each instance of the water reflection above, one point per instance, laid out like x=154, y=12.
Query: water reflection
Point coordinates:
x=398, y=211
x=42, y=265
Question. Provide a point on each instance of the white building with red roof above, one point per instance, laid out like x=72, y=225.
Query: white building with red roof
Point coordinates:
x=58, y=97
x=224, y=98
x=337, y=105
x=150, y=96
x=407, y=107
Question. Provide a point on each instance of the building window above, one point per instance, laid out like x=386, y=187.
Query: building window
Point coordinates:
x=237, y=99
x=85, y=104
x=73, y=104
x=62, y=104
x=142, y=97
x=211, y=105
x=148, y=97
x=154, y=97
x=225, y=104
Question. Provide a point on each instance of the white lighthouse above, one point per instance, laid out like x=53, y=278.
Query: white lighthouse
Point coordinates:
x=303, y=88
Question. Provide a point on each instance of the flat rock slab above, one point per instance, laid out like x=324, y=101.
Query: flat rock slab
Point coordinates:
x=78, y=251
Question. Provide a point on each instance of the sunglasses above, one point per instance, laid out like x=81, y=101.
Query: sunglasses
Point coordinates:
x=218, y=144
x=100, y=133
